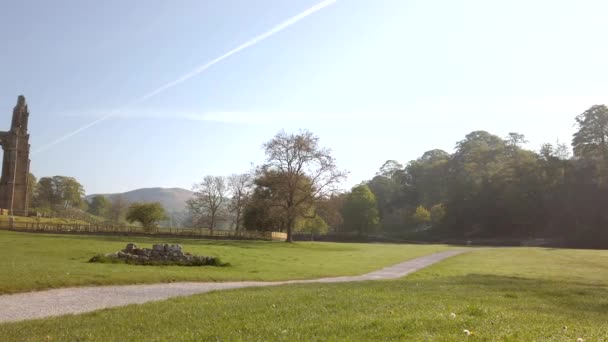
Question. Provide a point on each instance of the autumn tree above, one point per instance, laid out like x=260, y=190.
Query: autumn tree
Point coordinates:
x=304, y=174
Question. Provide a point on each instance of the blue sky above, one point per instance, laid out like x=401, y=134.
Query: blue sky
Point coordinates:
x=376, y=80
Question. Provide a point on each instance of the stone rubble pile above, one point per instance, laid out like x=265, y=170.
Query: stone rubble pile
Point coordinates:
x=162, y=254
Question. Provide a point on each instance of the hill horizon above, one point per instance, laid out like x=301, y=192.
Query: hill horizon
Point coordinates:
x=172, y=199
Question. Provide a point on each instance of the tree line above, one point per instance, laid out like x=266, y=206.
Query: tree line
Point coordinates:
x=489, y=186
x=493, y=186
x=63, y=196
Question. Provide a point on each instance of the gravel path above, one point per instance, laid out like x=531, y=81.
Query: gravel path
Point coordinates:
x=76, y=300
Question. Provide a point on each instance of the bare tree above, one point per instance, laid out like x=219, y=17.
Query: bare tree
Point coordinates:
x=240, y=188
x=209, y=196
x=304, y=174
x=118, y=208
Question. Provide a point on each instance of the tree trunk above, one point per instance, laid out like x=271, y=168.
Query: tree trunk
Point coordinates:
x=212, y=223
x=238, y=219
x=290, y=223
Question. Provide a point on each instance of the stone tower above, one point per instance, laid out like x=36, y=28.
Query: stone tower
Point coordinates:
x=16, y=162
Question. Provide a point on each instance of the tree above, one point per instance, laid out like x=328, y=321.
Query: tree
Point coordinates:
x=240, y=188
x=304, y=174
x=360, y=211
x=68, y=191
x=100, y=206
x=260, y=212
x=60, y=191
x=591, y=139
x=207, y=204
x=473, y=167
x=314, y=225
x=148, y=214
x=428, y=177
x=32, y=189
x=421, y=216
x=437, y=213
x=117, y=208
x=390, y=168
x=46, y=193
x=330, y=210
x=516, y=140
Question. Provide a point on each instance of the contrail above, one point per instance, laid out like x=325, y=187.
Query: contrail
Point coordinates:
x=257, y=39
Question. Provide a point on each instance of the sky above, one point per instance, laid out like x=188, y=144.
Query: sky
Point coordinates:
x=130, y=94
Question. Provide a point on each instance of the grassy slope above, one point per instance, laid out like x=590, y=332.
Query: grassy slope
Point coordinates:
x=53, y=220
x=501, y=295
x=38, y=261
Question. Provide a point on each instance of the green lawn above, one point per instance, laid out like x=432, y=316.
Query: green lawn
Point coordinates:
x=506, y=294
x=39, y=261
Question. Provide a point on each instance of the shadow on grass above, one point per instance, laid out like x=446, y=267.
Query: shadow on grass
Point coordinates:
x=566, y=294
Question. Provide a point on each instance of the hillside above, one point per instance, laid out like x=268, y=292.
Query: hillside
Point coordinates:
x=172, y=199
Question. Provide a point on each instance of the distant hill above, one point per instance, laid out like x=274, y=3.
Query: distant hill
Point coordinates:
x=172, y=199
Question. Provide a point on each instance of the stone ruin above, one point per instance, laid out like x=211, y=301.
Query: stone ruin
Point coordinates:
x=16, y=162
x=160, y=254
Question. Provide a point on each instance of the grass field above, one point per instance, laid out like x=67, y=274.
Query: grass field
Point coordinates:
x=507, y=294
x=39, y=261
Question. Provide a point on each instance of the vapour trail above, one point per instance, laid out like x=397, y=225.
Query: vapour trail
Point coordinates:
x=257, y=39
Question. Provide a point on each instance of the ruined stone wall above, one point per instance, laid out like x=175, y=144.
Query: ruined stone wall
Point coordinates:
x=16, y=162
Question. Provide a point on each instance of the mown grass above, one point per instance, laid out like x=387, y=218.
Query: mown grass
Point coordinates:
x=515, y=294
x=39, y=261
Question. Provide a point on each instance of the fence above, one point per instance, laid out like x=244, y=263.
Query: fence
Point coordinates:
x=129, y=230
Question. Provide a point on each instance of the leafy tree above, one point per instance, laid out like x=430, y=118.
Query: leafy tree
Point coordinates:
x=207, y=205
x=100, y=206
x=304, y=173
x=591, y=139
x=515, y=140
x=437, y=214
x=46, y=193
x=390, y=168
x=421, y=216
x=259, y=215
x=314, y=225
x=61, y=191
x=471, y=191
x=32, y=189
x=360, y=210
x=264, y=211
x=148, y=214
x=386, y=191
x=428, y=176
x=393, y=195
